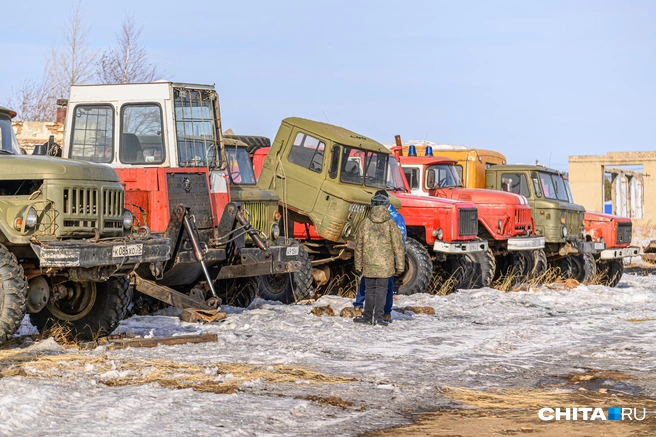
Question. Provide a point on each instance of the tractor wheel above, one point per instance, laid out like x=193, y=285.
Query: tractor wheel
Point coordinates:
x=90, y=309
x=238, y=292
x=418, y=270
x=288, y=287
x=611, y=271
x=580, y=267
x=486, y=266
x=13, y=293
x=539, y=263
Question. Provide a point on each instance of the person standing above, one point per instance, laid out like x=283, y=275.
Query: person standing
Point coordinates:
x=359, y=298
x=378, y=255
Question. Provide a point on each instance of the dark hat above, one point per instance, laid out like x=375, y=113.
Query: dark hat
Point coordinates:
x=380, y=198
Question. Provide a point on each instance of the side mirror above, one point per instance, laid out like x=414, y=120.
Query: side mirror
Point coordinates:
x=40, y=149
x=430, y=179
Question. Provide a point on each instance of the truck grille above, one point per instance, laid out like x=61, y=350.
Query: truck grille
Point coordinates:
x=522, y=217
x=82, y=208
x=257, y=213
x=624, y=233
x=467, y=222
x=574, y=220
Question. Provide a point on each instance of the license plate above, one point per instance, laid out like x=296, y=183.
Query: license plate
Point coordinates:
x=127, y=250
x=292, y=251
x=600, y=246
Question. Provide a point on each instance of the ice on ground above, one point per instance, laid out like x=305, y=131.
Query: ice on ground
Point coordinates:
x=477, y=339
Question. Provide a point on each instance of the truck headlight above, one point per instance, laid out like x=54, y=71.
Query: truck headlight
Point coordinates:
x=26, y=216
x=437, y=233
x=347, y=230
x=128, y=219
x=564, y=231
x=275, y=231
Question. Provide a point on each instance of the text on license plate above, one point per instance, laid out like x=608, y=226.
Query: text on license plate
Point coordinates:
x=292, y=251
x=127, y=250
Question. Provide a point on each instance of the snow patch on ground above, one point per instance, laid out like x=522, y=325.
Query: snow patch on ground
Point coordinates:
x=476, y=339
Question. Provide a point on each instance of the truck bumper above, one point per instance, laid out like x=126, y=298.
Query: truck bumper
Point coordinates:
x=458, y=248
x=525, y=243
x=86, y=254
x=620, y=252
x=257, y=262
x=589, y=247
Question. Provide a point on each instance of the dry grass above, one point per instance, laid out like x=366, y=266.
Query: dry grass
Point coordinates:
x=343, y=285
x=214, y=378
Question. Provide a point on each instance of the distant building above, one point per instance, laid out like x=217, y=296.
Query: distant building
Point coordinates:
x=31, y=133
x=610, y=183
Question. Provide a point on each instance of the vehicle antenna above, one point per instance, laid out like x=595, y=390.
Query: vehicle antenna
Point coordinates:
x=324, y=114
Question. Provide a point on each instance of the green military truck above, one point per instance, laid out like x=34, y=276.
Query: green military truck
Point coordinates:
x=66, y=246
x=557, y=218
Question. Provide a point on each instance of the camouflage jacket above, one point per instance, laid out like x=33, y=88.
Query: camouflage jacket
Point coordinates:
x=378, y=245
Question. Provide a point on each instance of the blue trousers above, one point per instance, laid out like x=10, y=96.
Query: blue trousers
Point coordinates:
x=359, y=298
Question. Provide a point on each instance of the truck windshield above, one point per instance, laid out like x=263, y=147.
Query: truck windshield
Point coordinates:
x=442, y=176
x=394, y=179
x=195, y=127
x=240, y=167
x=553, y=186
x=9, y=143
x=569, y=191
x=361, y=166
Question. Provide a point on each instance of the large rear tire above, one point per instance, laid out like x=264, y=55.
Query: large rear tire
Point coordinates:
x=610, y=272
x=455, y=273
x=13, y=294
x=91, y=310
x=288, y=287
x=418, y=269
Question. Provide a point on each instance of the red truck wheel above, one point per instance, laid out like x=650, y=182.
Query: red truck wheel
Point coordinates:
x=580, y=267
x=418, y=270
x=610, y=272
x=485, y=269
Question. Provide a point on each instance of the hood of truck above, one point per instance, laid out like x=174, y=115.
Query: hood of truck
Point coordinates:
x=602, y=217
x=480, y=196
x=252, y=193
x=412, y=201
x=42, y=167
x=357, y=194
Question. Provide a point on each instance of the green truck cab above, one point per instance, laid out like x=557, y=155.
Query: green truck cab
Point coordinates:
x=325, y=176
x=557, y=218
x=66, y=245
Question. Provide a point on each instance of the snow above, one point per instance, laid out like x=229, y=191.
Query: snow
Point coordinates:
x=477, y=339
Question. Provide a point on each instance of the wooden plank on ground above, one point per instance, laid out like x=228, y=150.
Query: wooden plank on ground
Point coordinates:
x=169, y=341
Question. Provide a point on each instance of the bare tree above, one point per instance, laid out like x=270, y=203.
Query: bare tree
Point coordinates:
x=127, y=62
x=34, y=101
x=72, y=63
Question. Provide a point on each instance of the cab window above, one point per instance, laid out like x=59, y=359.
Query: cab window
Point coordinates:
x=141, y=134
x=307, y=152
x=195, y=128
x=515, y=183
x=459, y=171
x=93, y=133
x=412, y=176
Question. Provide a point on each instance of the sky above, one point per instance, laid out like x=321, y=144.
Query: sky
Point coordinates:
x=532, y=80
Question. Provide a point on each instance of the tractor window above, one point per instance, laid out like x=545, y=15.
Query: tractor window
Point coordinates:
x=240, y=167
x=412, y=175
x=515, y=183
x=195, y=128
x=141, y=134
x=360, y=166
x=93, y=133
x=307, y=152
